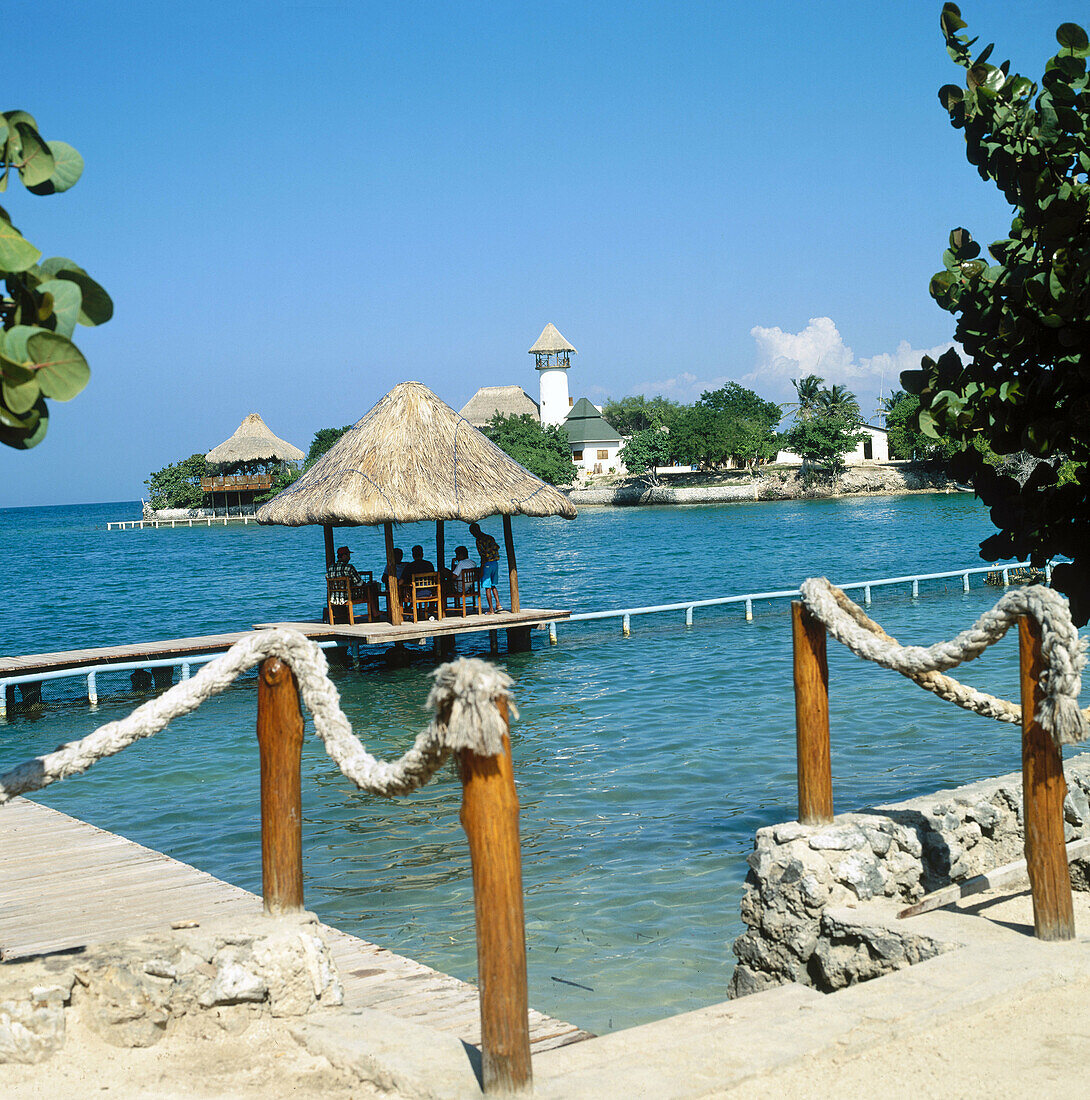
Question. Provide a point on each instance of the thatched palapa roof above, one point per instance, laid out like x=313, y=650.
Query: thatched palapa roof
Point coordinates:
x=550, y=341
x=413, y=458
x=253, y=442
x=505, y=400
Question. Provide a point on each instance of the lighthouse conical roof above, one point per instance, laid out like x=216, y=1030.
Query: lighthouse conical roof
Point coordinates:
x=550, y=341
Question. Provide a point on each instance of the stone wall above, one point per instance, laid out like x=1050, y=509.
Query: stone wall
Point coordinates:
x=130, y=992
x=898, y=852
x=765, y=485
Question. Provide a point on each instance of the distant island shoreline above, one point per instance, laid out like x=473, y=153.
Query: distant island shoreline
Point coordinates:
x=765, y=485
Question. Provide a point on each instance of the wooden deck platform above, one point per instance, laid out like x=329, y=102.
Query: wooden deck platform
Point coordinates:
x=366, y=633
x=137, y=651
x=65, y=883
x=382, y=633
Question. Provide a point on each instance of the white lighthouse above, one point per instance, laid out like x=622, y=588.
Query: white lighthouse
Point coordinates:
x=553, y=355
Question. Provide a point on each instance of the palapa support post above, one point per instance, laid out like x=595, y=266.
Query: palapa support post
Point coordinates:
x=512, y=565
x=1043, y=792
x=490, y=817
x=440, y=547
x=812, y=717
x=394, y=598
x=280, y=742
x=330, y=557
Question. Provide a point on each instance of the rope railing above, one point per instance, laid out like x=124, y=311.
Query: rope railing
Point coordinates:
x=471, y=701
x=1052, y=656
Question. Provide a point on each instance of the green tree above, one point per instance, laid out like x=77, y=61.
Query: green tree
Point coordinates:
x=323, y=440
x=631, y=414
x=1024, y=319
x=178, y=485
x=839, y=399
x=282, y=476
x=644, y=451
x=824, y=438
x=731, y=423
x=43, y=300
x=544, y=451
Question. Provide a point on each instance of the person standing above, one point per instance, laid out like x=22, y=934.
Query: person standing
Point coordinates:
x=489, y=552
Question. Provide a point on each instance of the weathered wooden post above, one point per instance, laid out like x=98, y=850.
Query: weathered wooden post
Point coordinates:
x=280, y=742
x=330, y=557
x=394, y=597
x=440, y=547
x=812, y=717
x=490, y=817
x=1043, y=792
x=512, y=565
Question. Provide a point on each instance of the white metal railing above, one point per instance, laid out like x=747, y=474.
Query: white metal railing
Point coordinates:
x=91, y=673
x=625, y=613
x=199, y=521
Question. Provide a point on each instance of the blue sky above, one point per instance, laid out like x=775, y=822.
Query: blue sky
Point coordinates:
x=296, y=206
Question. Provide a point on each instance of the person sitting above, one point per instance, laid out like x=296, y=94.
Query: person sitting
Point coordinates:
x=343, y=567
x=489, y=551
x=461, y=561
x=419, y=564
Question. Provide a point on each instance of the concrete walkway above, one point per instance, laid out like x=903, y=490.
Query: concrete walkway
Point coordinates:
x=1002, y=1014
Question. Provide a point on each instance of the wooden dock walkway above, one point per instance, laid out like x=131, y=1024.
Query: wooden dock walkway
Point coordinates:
x=383, y=633
x=103, y=655
x=65, y=883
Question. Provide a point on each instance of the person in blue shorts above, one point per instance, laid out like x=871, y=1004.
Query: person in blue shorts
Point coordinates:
x=489, y=551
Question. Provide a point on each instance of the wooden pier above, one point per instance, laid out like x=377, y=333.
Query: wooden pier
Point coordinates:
x=189, y=521
x=383, y=633
x=65, y=884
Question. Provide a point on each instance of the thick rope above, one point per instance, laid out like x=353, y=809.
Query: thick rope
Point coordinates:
x=1063, y=650
x=463, y=698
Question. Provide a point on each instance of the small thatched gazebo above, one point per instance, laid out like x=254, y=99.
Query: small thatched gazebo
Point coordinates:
x=413, y=458
x=251, y=444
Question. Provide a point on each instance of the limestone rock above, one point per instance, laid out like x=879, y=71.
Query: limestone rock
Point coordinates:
x=233, y=985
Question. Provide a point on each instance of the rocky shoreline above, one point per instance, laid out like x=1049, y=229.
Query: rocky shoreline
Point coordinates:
x=766, y=485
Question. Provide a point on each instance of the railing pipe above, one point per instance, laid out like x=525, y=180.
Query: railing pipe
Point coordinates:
x=749, y=611
x=965, y=581
x=866, y=593
x=626, y=625
x=92, y=690
x=280, y=742
x=1043, y=792
x=916, y=590
x=689, y=615
x=490, y=817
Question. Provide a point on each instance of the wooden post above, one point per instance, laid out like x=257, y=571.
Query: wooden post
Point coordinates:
x=812, y=717
x=280, y=741
x=490, y=817
x=1043, y=791
x=394, y=597
x=330, y=557
x=440, y=547
x=512, y=565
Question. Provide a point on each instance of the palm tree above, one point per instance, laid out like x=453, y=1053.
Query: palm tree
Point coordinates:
x=839, y=400
x=808, y=390
x=886, y=405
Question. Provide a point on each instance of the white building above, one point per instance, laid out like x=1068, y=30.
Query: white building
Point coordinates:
x=595, y=445
x=553, y=359
x=873, y=448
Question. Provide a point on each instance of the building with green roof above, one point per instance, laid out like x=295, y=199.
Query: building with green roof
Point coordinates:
x=595, y=444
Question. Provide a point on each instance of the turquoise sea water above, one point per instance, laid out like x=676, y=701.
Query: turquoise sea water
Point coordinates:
x=644, y=764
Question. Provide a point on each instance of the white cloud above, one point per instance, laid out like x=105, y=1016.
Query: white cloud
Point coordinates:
x=818, y=349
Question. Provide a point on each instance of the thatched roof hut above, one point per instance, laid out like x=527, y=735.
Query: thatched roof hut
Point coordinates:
x=253, y=442
x=550, y=342
x=505, y=400
x=413, y=458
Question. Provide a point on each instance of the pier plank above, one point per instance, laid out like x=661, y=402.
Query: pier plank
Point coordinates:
x=65, y=883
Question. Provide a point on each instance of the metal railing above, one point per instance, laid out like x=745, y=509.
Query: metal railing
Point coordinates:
x=625, y=614
x=91, y=673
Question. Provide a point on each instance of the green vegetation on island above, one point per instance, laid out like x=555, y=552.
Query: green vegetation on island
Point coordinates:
x=43, y=300
x=542, y=449
x=1023, y=320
